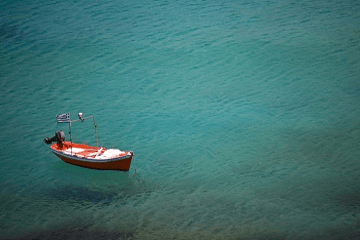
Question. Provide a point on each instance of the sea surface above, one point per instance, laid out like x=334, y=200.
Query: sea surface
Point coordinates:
x=244, y=117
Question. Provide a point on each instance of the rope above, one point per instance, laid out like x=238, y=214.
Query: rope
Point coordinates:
x=134, y=173
x=134, y=162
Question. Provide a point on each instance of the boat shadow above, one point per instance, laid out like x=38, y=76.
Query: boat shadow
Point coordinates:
x=115, y=194
x=80, y=194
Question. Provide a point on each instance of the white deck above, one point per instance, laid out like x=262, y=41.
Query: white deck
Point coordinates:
x=107, y=154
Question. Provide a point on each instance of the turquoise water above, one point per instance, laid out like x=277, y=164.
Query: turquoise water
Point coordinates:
x=243, y=115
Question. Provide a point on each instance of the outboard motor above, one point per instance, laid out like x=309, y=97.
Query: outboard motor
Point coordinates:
x=59, y=138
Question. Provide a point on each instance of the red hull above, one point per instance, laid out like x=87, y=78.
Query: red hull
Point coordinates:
x=86, y=158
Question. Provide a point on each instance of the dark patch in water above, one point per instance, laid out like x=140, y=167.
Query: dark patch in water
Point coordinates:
x=82, y=194
x=329, y=146
x=8, y=31
x=159, y=233
x=350, y=201
x=75, y=233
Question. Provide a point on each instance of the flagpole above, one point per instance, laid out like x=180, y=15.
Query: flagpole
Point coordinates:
x=63, y=118
x=70, y=136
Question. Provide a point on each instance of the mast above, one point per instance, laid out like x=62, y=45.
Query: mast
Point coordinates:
x=81, y=119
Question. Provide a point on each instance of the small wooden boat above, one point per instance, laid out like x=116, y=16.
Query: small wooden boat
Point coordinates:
x=88, y=156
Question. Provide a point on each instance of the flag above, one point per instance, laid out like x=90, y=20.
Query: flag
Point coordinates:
x=63, y=118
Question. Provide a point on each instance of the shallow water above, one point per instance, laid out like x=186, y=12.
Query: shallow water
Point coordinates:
x=244, y=118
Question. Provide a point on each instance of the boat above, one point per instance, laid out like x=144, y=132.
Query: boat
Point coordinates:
x=83, y=155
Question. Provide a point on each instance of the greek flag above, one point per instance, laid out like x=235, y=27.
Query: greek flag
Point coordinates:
x=63, y=118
